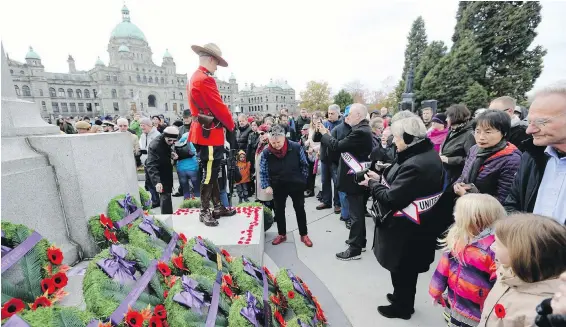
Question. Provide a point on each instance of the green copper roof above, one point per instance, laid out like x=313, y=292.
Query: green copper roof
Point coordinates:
x=99, y=62
x=286, y=86
x=271, y=84
x=167, y=54
x=126, y=29
x=32, y=54
x=232, y=77
x=123, y=48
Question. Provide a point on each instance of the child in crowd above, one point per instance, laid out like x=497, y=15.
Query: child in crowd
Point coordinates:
x=242, y=186
x=467, y=266
x=531, y=254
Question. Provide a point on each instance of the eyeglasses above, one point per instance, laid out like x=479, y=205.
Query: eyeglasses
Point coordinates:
x=541, y=122
x=261, y=133
x=486, y=133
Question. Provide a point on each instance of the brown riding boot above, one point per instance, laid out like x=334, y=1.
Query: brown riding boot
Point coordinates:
x=205, y=213
x=219, y=209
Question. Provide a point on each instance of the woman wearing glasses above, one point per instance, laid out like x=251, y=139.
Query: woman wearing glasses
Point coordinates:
x=493, y=162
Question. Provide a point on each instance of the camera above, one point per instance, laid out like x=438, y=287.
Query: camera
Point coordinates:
x=360, y=176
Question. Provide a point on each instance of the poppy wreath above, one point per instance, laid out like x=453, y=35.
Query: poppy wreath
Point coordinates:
x=56, y=316
x=113, y=273
x=191, y=203
x=201, y=258
x=267, y=213
x=247, y=310
x=300, y=298
x=43, y=274
x=188, y=303
x=145, y=198
x=300, y=321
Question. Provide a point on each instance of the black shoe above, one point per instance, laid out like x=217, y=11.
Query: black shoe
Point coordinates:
x=309, y=194
x=349, y=254
x=391, y=298
x=368, y=215
x=348, y=243
x=155, y=205
x=176, y=194
x=323, y=206
x=348, y=224
x=391, y=311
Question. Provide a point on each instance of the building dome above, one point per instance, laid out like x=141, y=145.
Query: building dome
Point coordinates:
x=167, y=54
x=32, y=54
x=126, y=29
x=271, y=84
x=123, y=48
x=286, y=86
x=99, y=62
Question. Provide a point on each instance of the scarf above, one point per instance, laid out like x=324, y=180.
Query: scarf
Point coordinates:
x=482, y=156
x=437, y=137
x=281, y=152
x=260, y=147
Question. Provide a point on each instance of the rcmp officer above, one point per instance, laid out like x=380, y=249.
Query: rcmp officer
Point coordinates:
x=210, y=118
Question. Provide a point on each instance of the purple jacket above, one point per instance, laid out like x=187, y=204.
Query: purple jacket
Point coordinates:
x=497, y=172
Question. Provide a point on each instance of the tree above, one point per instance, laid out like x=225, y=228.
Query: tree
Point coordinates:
x=432, y=55
x=357, y=90
x=316, y=96
x=343, y=99
x=476, y=97
x=416, y=45
x=451, y=78
x=504, y=31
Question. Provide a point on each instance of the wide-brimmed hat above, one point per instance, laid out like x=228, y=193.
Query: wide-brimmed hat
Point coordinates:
x=213, y=50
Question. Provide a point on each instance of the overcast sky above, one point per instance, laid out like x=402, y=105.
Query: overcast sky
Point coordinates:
x=294, y=40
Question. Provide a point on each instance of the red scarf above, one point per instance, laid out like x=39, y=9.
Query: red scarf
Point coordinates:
x=260, y=147
x=281, y=152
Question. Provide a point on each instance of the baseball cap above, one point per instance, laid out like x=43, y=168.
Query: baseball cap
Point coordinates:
x=347, y=111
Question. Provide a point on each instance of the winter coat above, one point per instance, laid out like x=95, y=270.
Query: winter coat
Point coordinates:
x=523, y=194
x=291, y=170
x=260, y=193
x=456, y=148
x=518, y=134
x=145, y=141
x=242, y=134
x=496, y=174
x=357, y=144
x=182, y=130
x=339, y=133
x=317, y=136
x=253, y=139
x=159, y=165
x=191, y=163
x=468, y=277
x=400, y=243
x=300, y=123
x=135, y=126
x=515, y=300
x=437, y=137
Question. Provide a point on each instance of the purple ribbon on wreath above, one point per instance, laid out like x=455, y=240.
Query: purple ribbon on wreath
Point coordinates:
x=148, y=202
x=250, y=269
x=251, y=311
x=117, y=267
x=148, y=226
x=298, y=287
x=200, y=248
x=5, y=249
x=302, y=324
x=128, y=204
x=189, y=296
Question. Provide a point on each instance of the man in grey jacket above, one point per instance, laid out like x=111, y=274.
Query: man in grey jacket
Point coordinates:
x=148, y=135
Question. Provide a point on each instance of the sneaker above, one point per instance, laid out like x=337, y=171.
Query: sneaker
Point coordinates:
x=391, y=311
x=309, y=194
x=349, y=254
x=279, y=239
x=177, y=194
x=337, y=210
x=305, y=239
x=343, y=219
x=323, y=206
x=391, y=298
x=363, y=249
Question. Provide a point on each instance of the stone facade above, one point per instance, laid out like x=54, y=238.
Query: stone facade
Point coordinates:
x=130, y=81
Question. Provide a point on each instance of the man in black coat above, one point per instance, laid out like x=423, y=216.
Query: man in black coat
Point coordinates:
x=159, y=166
x=243, y=132
x=355, y=147
x=518, y=133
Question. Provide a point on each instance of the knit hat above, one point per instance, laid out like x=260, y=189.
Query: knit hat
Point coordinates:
x=241, y=152
x=440, y=118
x=251, y=119
x=263, y=128
x=82, y=125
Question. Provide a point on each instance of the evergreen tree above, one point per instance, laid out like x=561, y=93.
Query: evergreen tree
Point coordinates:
x=451, y=78
x=343, y=99
x=504, y=31
x=416, y=45
x=432, y=55
x=476, y=97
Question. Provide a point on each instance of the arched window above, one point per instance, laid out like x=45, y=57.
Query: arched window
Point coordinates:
x=17, y=90
x=145, y=79
x=162, y=80
x=79, y=94
x=138, y=78
x=70, y=93
x=40, y=93
x=181, y=95
x=22, y=72
x=52, y=92
x=87, y=93
x=43, y=106
x=114, y=94
x=151, y=79
x=26, y=91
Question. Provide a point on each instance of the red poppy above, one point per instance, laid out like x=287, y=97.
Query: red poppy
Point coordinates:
x=160, y=311
x=12, y=307
x=164, y=268
x=183, y=238
x=165, y=323
x=110, y=236
x=55, y=255
x=291, y=294
x=105, y=221
x=47, y=285
x=500, y=311
x=227, y=290
x=228, y=279
x=41, y=301
x=165, y=293
x=60, y=280
x=155, y=321
x=279, y=318
x=178, y=262
x=134, y=318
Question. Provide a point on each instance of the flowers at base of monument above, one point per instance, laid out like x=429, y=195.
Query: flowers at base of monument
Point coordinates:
x=136, y=319
x=106, y=222
x=226, y=255
x=163, y=268
x=178, y=262
x=160, y=311
x=55, y=255
x=41, y=301
x=279, y=318
x=110, y=236
x=12, y=307
x=190, y=297
x=183, y=238
x=117, y=267
x=227, y=286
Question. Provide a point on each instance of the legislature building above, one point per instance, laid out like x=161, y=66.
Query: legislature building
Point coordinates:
x=131, y=81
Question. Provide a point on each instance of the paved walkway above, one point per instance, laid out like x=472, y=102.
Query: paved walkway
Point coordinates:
x=349, y=292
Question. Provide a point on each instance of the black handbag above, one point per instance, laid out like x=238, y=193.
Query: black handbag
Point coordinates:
x=183, y=150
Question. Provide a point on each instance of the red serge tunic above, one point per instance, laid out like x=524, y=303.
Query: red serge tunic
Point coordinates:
x=202, y=89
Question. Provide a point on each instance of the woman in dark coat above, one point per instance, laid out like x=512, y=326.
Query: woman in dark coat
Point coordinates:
x=493, y=162
x=406, y=229
x=460, y=139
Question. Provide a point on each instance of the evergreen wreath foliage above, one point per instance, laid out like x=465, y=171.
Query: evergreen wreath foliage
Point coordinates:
x=145, y=198
x=246, y=282
x=57, y=317
x=191, y=203
x=198, y=265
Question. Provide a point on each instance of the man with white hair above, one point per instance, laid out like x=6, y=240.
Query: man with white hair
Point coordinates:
x=355, y=148
x=518, y=133
x=159, y=166
x=326, y=165
x=123, y=128
x=212, y=118
x=149, y=133
x=540, y=183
